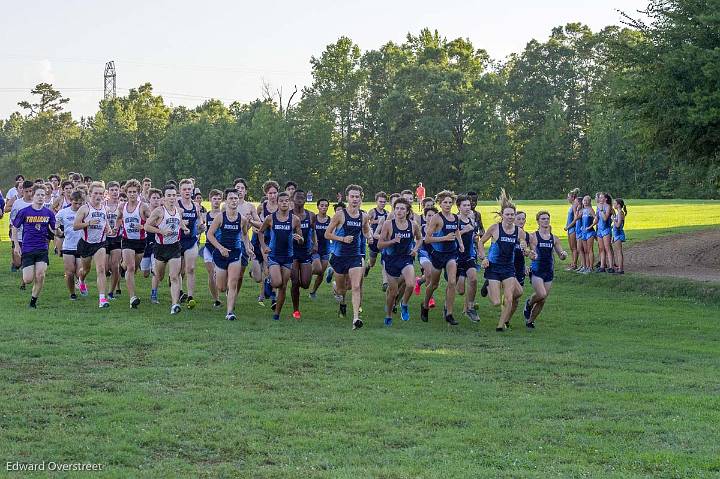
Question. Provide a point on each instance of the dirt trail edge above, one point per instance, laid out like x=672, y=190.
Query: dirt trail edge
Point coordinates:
x=688, y=255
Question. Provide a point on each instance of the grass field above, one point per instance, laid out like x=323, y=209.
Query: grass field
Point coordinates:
x=618, y=380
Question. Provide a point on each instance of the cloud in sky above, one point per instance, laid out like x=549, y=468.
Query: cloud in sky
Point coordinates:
x=45, y=72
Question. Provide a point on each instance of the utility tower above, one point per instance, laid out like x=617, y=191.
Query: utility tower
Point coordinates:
x=110, y=80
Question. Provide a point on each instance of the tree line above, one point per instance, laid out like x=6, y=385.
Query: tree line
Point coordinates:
x=633, y=109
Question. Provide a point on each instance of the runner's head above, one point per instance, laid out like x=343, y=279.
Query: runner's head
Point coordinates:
x=87, y=180
x=587, y=201
x=381, y=199
x=54, y=180
x=38, y=196
x=154, y=196
x=26, y=190
x=607, y=199
x=186, y=188
x=401, y=208
x=170, y=195
x=543, y=218
x=76, y=179
x=283, y=200
x=393, y=199
x=77, y=198
x=464, y=204
x=146, y=184
x=353, y=193
x=473, y=197
x=113, y=189
x=507, y=208
x=427, y=202
x=132, y=190
x=290, y=188
x=97, y=193
x=67, y=188
x=19, y=180
x=232, y=199
x=520, y=218
x=299, y=198
x=619, y=205
x=572, y=194
x=215, y=197
x=429, y=212
x=271, y=189
x=407, y=194
x=445, y=199
x=241, y=187
x=322, y=206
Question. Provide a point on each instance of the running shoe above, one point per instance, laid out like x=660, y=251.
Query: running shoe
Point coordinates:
x=217, y=303
x=527, y=310
x=191, y=303
x=261, y=301
x=276, y=317
x=296, y=315
x=183, y=297
x=111, y=296
x=357, y=324
x=103, y=303
x=134, y=302
x=484, y=289
x=424, y=314
x=73, y=297
x=610, y=270
x=431, y=303
x=312, y=295
x=154, y=299
x=117, y=291
x=273, y=303
x=230, y=316
x=32, y=304
x=530, y=324
x=175, y=309
x=404, y=312
x=329, y=275
x=342, y=312
x=22, y=286
x=388, y=322
x=83, y=289
x=452, y=321
x=472, y=315
x=417, y=286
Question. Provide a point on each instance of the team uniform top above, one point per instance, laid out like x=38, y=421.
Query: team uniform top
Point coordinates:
x=132, y=223
x=281, y=239
x=618, y=233
x=470, y=254
x=570, y=219
x=209, y=218
x=191, y=216
x=95, y=234
x=544, y=260
x=449, y=226
x=65, y=219
x=38, y=223
x=587, y=221
x=171, y=222
x=423, y=227
x=378, y=214
x=323, y=245
x=519, y=260
x=229, y=235
x=502, y=252
x=304, y=250
x=352, y=226
x=603, y=225
x=407, y=241
x=112, y=217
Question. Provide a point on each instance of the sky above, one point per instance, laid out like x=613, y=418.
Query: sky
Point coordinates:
x=192, y=51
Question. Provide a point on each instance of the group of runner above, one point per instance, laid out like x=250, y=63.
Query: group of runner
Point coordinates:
x=131, y=228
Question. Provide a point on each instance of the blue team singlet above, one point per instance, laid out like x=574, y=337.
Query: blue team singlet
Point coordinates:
x=281, y=240
x=542, y=265
x=351, y=227
x=449, y=226
x=323, y=246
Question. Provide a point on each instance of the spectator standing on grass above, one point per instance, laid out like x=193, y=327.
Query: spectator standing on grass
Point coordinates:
x=420, y=193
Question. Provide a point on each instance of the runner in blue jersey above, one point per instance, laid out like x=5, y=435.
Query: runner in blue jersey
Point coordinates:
x=425, y=251
x=603, y=212
x=467, y=266
x=189, y=241
x=443, y=234
x=215, y=197
x=284, y=227
x=544, y=244
x=302, y=250
x=321, y=255
x=346, y=228
x=618, y=234
x=259, y=266
x=376, y=216
x=228, y=235
x=400, y=240
x=499, y=264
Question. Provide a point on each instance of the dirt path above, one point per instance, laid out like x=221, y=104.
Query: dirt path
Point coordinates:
x=688, y=255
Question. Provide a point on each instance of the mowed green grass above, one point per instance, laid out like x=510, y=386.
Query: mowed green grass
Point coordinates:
x=618, y=380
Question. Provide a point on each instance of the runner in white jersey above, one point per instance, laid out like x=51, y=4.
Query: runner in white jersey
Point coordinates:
x=132, y=230
x=113, y=206
x=91, y=218
x=166, y=222
x=70, y=237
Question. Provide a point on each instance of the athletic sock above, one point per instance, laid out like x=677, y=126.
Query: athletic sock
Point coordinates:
x=153, y=292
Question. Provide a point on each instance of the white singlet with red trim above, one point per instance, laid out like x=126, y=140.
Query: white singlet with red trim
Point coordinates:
x=132, y=222
x=170, y=222
x=95, y=234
